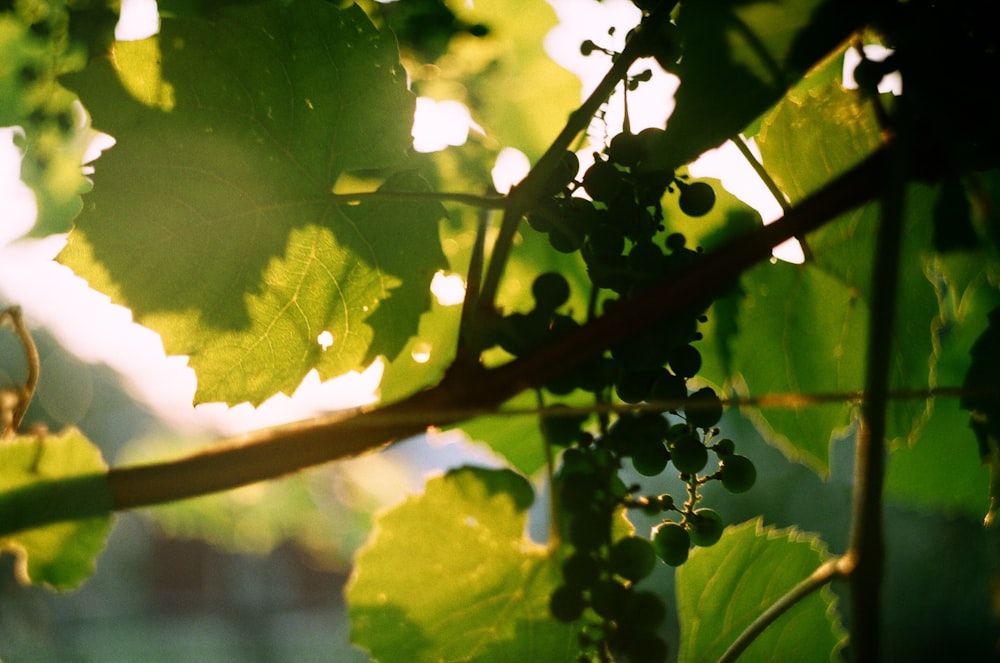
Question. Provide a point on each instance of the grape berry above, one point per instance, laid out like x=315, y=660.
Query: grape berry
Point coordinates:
x=621, y=231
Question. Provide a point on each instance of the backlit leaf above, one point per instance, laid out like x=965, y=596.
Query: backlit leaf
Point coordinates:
x=212, y=218
x=722, y=589
x=61, y=555
x=450, y=576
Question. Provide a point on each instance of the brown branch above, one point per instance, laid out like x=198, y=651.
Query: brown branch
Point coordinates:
x=274, y=452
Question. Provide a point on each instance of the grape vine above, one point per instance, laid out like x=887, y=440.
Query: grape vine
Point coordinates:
x=619, y=329
x=613, y=216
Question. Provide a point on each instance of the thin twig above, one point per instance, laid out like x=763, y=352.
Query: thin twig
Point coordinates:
x=772, y=187
x=25, y=392
x=816, y=580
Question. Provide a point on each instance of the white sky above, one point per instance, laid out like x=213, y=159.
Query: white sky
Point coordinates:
x=86, y=323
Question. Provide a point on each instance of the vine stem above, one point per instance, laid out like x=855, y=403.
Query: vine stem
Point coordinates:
x=532, y=188
x=274, y=452
x=816, y=580
x=867, y=546
x=471, y=199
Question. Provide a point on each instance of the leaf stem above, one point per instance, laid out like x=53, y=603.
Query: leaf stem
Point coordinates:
x=772, y=187
x=474, y=200
x=816, y=580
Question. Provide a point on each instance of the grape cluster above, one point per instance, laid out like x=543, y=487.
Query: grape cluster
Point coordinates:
x=619, y=230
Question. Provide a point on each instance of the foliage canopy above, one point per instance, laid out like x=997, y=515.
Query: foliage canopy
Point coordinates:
x=263, y=211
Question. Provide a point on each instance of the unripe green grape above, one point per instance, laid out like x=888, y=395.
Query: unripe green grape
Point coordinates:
x=608, y=598
x=644, y=611
x=675, y=241
x=651, y=426
x=645, y=261
x=567, y=603
x=646, y=5
x=607, y=271
x=642, y=353
x=668, y=46
x=598, y=374
x=671, y=542
x=668, y=388
x=632, y=558
x=650, y=185
x=520, y=332
x=738, y=473
x=565, y=240
x=577, y=490
x=665, y=501
x=551, y=290
x=626, y=149
x=631, y=218
x=581, y=570
x=559, y=428
x=689, y=455
x=633, y=386
x=603, y=181
x=606, y=239
x=541, y=217
x=586, y=532
x=566, y=171
x=677, y=431
x=645, y=647
x=703, y=408
x=650, y=136
x=724, y=447
x=705, y=527
x=650, y=459
x=697, y=198
x=685, y=360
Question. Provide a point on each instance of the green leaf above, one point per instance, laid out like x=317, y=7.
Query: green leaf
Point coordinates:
x=722, y=589
x=67, y=471
x=738, y=59
x=942, y=469
x=815, y=331
x=211, y=218
x=818, y=131
x=450, y=576
x=56, y=135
